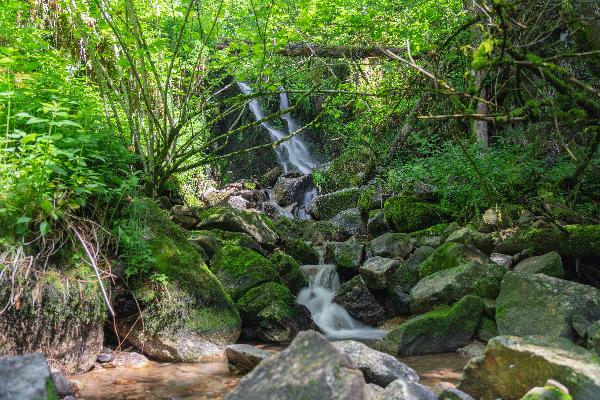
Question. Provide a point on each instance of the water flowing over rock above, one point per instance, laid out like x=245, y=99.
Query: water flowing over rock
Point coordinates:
x=292, y=153
x=331, y=318
x=512, y=365
x=310, y=368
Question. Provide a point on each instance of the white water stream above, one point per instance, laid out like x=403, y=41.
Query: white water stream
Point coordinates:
x=333, y=319
x=293, y=155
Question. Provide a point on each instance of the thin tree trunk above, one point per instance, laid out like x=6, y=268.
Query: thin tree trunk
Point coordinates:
x=409, y=125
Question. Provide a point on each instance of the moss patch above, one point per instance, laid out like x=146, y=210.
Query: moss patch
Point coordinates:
x=289, y=271
x=239, y=269
x=408, y=214
x=449, y=255
x=353, y=168
x=301, y=251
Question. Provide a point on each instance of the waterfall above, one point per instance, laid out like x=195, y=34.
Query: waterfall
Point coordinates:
x=332, y=318
x=292, y=154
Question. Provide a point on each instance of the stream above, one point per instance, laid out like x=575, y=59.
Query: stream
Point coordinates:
x=212, y=379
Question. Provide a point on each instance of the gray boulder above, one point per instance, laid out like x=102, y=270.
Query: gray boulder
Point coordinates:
x=378, y=271
x=310, y=368
x=356, y=298
x=512, y=365
x=502, y=259
x=593, y=337
x=392, y=245
x=418, y=256
x=242, y=358
x=466, y=235
x=450, y=285
x=26, y=378
x=454, y=394
x=548, y=264
x=348, y=222
x=536, y=304
x=290, y=188
x=377, y=367
x=406, y=390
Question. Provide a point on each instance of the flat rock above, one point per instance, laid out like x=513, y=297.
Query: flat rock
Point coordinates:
x=243, y=358
x=392, y=245
x=378, y=271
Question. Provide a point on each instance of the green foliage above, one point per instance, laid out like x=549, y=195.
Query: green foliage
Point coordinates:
x=56, y=157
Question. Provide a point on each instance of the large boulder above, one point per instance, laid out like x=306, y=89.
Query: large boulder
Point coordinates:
x=269, y=312
x=239, y=269
x=438, y=331
x=347, y=255
x=450, y=285
x=408, y=214
x=466, y=235
x=327, y=206
x=371, y=198
x=513, y=365
x=377, y=367
x=572, y=240
x=290, y=188
x=348, y=222
x=60, y=313
x=26, y=377
x=391, y=245
x=289, y=271
x=309, y=368
x=548, y=264
x=189, y=316
x=242, y=358
x=356, y=298
x=536, y=304
x=378, y=271
x=255, y=224
x=353, y=168
x=450, y=255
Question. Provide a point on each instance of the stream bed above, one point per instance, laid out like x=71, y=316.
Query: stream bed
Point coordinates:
x=212, y=379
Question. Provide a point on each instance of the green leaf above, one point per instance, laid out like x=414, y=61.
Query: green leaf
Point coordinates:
x=46, y=206
x=44, y=228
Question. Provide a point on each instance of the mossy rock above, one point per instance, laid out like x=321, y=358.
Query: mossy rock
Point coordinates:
x=449, y=285
x=353, y=168
x=547, y=393
x=327, y=206
x=441, y=330
x=574, y=241
x=254, y=224
x=370, y=199
x=442, y=230
x=189, y=316
x=59, y=313
x=376, y=223
x=301, y=251
x=467, y=235
x=317, y=232
x=450, y=255
x=512, y=365
x=289, y=271
x=487, y=330
x=548, y=264
x=240, y=269
x=408, y=214
x=269, y=312
x=347, y=255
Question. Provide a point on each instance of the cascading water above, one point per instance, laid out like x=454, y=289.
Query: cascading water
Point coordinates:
x=291, y=154
x=332, y=318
